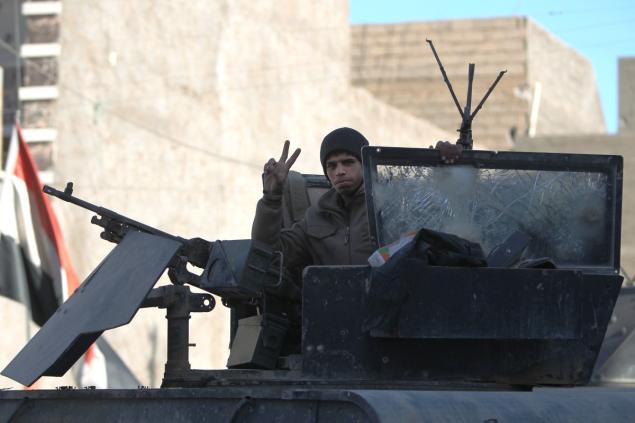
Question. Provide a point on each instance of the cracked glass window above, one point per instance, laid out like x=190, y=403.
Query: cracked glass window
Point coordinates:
x=565, y=213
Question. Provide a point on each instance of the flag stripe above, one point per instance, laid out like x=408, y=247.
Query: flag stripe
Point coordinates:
x=23, y=277
x=26, y=170
x=38, y=269
x=33, y=226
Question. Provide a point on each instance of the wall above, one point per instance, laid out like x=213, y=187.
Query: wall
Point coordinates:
x=38, y=91
x=396, y=64
x=570, y=103
x=10, y=35
x=626, y=94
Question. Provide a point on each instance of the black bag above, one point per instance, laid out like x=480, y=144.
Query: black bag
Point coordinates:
x=390, y=283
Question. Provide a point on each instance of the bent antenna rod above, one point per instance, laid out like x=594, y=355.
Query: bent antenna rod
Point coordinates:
x=467, y=116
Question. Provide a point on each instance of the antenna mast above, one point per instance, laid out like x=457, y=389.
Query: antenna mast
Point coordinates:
x=465, y=131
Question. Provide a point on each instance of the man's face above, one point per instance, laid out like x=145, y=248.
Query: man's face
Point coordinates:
x=344, y=171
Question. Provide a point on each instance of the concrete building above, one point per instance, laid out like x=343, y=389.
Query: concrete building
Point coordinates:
x=549, y=88
x=29, y=32
x=29, y=52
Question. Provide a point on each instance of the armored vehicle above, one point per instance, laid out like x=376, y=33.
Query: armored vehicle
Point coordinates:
x=514, y=336
x=440, y=332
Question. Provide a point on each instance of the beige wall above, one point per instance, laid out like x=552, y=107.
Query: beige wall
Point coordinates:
x=395, y=63
x=570, y=103
x=626, y=94
x=166, y=114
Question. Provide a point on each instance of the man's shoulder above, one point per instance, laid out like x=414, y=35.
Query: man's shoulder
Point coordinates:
x=322, y=206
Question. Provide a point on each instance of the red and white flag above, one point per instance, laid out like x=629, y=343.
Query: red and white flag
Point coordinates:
x=35, y=265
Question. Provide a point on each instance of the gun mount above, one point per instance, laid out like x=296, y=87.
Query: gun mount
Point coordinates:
x=248, y=276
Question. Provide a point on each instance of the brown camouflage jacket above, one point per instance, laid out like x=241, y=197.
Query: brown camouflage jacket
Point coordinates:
x=332, y=232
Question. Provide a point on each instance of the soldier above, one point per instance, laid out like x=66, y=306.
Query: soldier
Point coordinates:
x=335, y=230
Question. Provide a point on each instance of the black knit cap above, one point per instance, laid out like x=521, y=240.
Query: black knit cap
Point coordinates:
x=342, y=139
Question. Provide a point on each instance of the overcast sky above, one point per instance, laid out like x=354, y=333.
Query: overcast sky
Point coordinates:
x=601, y=31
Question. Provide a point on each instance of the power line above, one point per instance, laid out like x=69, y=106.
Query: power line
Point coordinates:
x=608, y=43
x=583, y=11
x=595, y=25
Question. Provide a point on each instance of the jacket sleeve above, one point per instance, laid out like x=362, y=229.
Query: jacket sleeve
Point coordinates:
x=267, y=228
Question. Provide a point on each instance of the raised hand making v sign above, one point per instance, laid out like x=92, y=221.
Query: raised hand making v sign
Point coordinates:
x=275, y=172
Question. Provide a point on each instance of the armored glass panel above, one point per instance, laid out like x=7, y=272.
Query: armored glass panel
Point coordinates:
x=569, y=214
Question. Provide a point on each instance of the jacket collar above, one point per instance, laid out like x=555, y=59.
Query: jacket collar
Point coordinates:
x=332, y=202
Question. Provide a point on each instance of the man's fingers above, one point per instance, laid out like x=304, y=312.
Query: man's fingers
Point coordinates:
x=293, y=158
x=285, y=152
x=269, y=165
x=449, y=153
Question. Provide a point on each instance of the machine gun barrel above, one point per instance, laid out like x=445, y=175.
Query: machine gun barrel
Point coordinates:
x=115, y=225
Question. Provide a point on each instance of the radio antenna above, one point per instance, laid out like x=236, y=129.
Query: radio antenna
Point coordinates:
x=465, y=131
